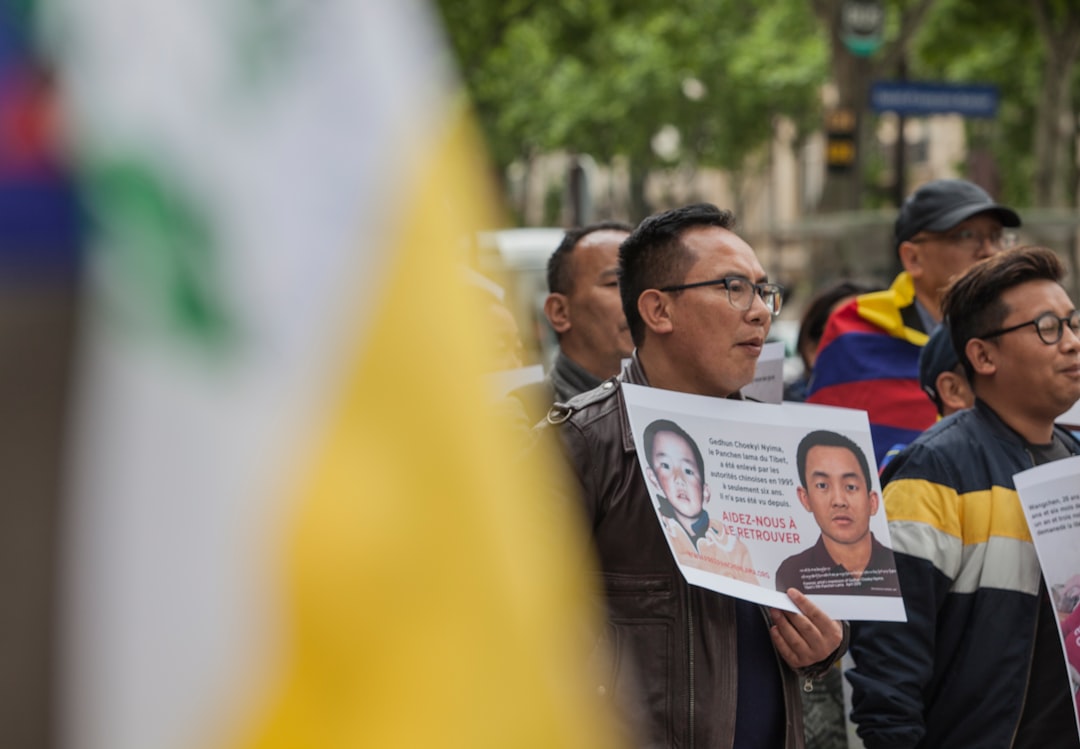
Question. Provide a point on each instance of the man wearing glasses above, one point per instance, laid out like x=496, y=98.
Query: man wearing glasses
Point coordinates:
x=978, y=662
x=688, y=666
x=869, y=353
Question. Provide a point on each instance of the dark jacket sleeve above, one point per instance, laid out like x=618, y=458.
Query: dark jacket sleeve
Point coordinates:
x=819, y=669
x=894, y=661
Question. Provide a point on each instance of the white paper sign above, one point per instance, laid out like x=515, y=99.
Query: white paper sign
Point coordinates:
x=1050, y=495
x=1070, y=418
x=746, y=526
x=768, y=383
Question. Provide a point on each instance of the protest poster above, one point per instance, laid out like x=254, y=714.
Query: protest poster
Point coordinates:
x=768, y=383
x=1050, y=496
x=724, y=478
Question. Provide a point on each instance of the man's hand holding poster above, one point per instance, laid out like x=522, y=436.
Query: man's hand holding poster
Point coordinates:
x=1050, y=496
x=756, y=498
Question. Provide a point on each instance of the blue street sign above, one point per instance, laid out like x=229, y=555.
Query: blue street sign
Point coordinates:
x=905, y=97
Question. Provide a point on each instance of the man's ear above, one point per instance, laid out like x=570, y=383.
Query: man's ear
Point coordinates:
x=954, y=391
x=910, y=258
x=804, y=498
x=654, y=306
x=982, y=355
x=875, y=502
x=651, y=474
x=557, y=311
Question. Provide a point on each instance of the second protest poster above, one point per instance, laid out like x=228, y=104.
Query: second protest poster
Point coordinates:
x=756, y=498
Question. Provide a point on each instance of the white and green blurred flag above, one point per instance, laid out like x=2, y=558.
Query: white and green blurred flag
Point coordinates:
x=291, y=519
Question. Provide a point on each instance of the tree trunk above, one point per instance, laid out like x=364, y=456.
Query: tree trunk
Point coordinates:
x=852, y=76
x=1054, y=124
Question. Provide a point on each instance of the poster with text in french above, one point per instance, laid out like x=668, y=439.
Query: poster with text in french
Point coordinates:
x=758, y=498
x=1050, y=496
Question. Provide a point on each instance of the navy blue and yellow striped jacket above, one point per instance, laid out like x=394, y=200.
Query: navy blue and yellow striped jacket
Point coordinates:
x=956, y=673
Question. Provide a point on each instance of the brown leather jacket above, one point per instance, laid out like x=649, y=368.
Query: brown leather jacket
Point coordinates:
x=670, y=646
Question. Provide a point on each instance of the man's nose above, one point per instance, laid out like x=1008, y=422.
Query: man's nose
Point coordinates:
x=758, y=309
x=1069, y=337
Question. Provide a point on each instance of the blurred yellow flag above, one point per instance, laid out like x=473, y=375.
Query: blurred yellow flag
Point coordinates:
x=295, y=517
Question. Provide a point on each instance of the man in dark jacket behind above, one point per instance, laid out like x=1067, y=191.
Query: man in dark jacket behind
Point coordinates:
x=692, y=666
x=978, y=662
x=584, y=310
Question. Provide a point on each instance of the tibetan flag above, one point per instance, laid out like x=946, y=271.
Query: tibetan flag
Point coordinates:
x=868, y=359
x=293, y=516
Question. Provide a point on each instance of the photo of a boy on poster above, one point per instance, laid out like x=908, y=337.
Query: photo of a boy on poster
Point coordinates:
x=1066, y=599
x=676, y=470
x=836, y=489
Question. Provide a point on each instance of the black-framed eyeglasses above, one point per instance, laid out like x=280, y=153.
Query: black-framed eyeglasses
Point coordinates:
x=1049, y=326
x=741, y=292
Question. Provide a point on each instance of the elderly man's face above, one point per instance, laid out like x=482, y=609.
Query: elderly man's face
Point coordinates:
x=714, y=345
x=943, y=256
x=599, y=337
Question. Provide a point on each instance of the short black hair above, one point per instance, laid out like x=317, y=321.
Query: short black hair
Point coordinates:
x=560, y=279
x=666, y=425
x=825, y=438
x=972, y=304
x=653, y=256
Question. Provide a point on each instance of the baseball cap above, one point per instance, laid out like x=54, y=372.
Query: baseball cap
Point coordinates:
x=944, y=203
x=937, y=356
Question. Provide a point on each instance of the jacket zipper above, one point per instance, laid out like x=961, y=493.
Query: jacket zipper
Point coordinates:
x=690, y=653
x=1027, y=682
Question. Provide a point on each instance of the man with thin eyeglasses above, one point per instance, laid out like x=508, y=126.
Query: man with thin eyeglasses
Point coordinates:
x=869, y=354
x=687, y=666
x=978, y=662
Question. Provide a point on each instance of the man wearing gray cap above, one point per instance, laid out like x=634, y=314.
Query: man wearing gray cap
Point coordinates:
x=869, y=354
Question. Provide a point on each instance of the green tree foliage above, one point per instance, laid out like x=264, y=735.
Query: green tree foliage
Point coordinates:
x=995, y=42
x=1028, y=50
x=604, y=76
x=852, y=76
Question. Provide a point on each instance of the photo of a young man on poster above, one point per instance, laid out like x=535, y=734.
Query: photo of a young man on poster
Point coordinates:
x=836, y=489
